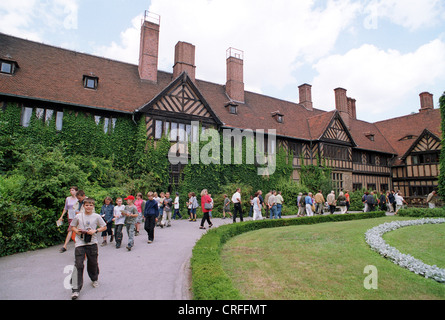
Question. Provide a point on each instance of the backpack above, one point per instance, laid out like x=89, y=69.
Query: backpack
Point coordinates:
x=303, y=201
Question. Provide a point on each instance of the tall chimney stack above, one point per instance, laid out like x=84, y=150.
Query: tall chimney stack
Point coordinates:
x=235, y=75
x=306, y=96
x=341, y=104
x=426, y=102
x=149, y=46
x=352, y=109
x=184, y=60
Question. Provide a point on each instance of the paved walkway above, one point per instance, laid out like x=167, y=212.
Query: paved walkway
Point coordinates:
x=157, y=271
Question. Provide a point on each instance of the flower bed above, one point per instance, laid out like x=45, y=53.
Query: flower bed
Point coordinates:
x=376, y=242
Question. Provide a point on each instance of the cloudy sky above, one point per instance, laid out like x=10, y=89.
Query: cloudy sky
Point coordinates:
x=384, y=52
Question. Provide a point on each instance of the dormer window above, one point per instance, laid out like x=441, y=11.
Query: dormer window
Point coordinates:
x=7, y=67
x=232, y=107
x=409, y=137
x=90, y=82
x=370, y=136
x=278, y=116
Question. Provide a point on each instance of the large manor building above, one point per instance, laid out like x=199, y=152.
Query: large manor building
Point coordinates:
x=46, y=81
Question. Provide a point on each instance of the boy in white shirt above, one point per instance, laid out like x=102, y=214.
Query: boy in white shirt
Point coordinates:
x=86, y=225
x=119, y=221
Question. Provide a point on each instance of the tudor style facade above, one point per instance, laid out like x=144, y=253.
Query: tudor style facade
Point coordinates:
x=396, y=153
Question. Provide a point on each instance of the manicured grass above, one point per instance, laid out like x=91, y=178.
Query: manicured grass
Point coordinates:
x=321, y=261
x=426, y=243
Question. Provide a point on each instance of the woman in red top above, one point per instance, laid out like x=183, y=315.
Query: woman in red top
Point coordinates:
x=205, y=198
x=348, y=201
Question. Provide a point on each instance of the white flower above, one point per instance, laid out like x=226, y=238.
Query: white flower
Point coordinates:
x=376, y=242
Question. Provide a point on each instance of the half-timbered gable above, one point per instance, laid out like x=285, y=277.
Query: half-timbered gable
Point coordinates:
x=337, y=132
x=334, y=142
x=426, y=148
x=418, y=170
x=173, y=110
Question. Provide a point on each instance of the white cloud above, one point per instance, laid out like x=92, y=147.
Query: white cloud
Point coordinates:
x=411, y=14
x=31, y=18
x=16, y=16
x=128, y=48
x=379, y=79
x=275, y=36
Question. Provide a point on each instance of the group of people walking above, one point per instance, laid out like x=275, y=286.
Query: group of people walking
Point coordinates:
x=386, y=201
x=85, y=225
x=310, y=204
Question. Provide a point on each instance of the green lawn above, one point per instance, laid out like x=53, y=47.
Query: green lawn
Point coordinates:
x=325, y=261
x=426, y=243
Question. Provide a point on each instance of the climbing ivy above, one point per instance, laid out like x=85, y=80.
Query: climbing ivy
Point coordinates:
x=38, y=164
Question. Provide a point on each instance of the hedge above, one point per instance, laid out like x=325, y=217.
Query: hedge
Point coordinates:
x=422, y=212
x=210, y=282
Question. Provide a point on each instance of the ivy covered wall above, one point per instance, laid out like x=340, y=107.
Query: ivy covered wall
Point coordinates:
x=38, y=165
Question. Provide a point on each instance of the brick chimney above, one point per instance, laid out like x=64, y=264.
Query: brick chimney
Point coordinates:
x=352, y=109
x=426, y=102
x=184, y=60
x=149, y=46
x=306, y=96
x=235, y=75
x=341, y=104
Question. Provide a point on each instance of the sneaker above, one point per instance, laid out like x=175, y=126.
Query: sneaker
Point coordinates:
x=104, y=243
x=149, y=241
x=74, y=295
x=201, y=227
x=95, y=284
x=128, y=248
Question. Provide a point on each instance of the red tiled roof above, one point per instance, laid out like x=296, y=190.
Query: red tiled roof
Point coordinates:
x=53, y=74
x=257, y=112
x=411, y=125
x=360, y=131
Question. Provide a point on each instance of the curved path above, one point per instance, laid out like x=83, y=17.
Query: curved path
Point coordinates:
x=156, y=271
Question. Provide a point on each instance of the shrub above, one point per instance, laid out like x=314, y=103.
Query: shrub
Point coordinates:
x=422, y=212
x=25, y=227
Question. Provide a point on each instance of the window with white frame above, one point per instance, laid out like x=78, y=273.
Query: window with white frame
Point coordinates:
x=25, y=119
x=176, y=131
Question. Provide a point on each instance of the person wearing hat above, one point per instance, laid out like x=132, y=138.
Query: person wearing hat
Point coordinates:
x=131, y=214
